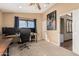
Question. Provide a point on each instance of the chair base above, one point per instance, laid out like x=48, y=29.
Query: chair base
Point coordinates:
x=23, y=46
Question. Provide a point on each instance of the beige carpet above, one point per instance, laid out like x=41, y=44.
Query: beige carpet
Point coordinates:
x=41, y=48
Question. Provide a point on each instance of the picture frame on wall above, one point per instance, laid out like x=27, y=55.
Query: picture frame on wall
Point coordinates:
x=51, y=21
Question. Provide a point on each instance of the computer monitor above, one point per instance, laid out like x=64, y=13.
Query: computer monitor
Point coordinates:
x=8, y=31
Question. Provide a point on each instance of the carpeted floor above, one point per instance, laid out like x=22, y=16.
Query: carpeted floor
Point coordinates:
x=41, y=48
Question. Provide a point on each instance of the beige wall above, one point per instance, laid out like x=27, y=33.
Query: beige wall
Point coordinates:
x=0, y=22
x=54, y=35
x=9, y=20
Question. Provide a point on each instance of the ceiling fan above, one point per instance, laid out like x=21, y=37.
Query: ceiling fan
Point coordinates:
x=37, y=4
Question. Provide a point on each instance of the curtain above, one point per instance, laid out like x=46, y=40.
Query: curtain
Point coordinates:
x=16, y=25
x=35, y=25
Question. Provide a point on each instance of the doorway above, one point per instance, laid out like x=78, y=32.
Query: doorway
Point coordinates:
x=66, y=31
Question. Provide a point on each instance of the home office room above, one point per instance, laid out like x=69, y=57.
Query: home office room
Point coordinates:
x=39, y=29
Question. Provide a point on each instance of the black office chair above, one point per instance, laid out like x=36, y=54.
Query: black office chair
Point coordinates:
x=25, y=37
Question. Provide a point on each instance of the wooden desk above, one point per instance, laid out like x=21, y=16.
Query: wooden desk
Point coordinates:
x=16, y=38
x=4, y=45
x=12, y=36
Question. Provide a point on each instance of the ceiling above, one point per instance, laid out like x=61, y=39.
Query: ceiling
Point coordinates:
x=24, y=7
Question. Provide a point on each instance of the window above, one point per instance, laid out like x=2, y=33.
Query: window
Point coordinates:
x=26, y=24
x=69, y=26
x=31, y=24
x=22, y=24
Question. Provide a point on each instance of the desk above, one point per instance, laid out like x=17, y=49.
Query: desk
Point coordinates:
x=12, y=36
x=4, y=45
x=35, y=34
x=16, y=38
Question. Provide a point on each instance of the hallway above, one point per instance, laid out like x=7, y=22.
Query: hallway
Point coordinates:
x=67, y=45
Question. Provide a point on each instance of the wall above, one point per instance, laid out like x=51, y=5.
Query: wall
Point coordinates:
x=76, y=31
x=9, y=20
x=44, y=29
x=54, y=35
x=0, y=22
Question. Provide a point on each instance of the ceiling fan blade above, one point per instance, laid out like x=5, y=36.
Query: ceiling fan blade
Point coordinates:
x=38, y=6
x=31, y=4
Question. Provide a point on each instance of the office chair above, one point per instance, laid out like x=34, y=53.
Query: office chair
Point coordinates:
x=25, y=37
